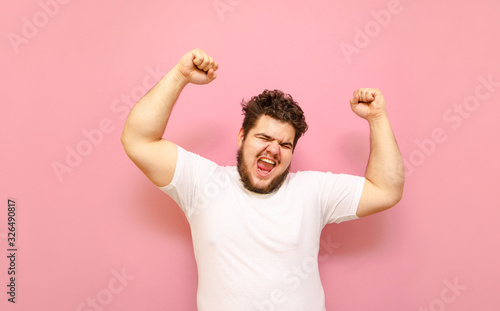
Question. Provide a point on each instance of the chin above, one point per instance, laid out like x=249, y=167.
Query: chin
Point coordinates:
x=259, y=184
x=253, y=182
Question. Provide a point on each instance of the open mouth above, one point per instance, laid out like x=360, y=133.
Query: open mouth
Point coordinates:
x=265, y=166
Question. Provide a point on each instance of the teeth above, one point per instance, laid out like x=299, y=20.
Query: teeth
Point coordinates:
x=267, y=161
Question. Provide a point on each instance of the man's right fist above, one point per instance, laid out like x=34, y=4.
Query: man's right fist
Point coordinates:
x=197, y=67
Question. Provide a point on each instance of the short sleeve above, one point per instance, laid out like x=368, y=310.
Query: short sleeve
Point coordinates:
x=339, y=195
x=191, y=171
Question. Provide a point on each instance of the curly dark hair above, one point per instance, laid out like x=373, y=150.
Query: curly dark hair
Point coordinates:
x=275, y=104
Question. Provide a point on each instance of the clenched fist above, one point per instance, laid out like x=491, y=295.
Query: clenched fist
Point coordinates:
x=368, y=103
x=197, y=67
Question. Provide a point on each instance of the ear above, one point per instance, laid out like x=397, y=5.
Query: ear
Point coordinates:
x=240, y=137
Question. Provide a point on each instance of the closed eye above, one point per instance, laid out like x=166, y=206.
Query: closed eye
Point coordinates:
x=264, y=137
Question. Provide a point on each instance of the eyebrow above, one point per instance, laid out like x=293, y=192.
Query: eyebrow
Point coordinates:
x=271, y=138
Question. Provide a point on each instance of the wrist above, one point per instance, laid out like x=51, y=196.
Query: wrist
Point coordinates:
x=180, y=79
x=377, y=118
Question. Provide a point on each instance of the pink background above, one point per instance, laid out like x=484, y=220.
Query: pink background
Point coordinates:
x=70, y=69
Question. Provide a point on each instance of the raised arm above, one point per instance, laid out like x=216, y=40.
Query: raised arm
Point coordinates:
x=146, y=122
x=385, y=172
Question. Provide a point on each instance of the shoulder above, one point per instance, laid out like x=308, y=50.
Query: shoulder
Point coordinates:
x=192, y=158
x=194, y=168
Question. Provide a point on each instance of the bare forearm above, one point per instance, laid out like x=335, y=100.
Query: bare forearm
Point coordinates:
x=148, y=119
x=385, y=164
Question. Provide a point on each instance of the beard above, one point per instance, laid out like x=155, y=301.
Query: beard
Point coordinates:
x=274, y=185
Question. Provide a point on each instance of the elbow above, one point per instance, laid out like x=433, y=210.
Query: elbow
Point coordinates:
x=127, y=142
x=392, y=196
x=397, y=199
x=126, y=137
x=396, y=195
x=396, y=189
x=124, y=140
x=390, y=200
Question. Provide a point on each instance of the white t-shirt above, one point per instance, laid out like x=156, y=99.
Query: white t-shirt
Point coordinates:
x=259, y=251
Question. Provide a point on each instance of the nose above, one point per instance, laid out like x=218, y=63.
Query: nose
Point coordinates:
x=274, y=147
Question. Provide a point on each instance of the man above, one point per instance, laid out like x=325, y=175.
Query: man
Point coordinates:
x=256, y=227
